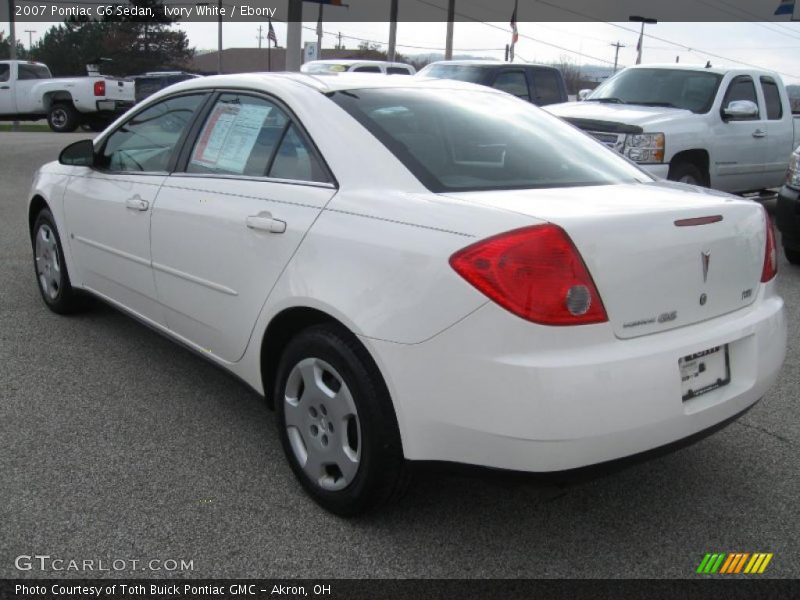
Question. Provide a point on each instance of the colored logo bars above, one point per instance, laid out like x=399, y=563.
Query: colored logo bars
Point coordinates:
x=734, y=563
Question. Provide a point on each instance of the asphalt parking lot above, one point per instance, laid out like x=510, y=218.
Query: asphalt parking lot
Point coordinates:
x=117, y=443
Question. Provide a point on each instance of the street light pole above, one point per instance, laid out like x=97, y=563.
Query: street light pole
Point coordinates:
x=219, y=37
x=391, y=54
x=448, y=43
x=644, y=21
x=12, y=46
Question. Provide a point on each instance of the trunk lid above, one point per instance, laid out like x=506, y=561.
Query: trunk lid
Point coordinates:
x=120, y=89
x=652, y=274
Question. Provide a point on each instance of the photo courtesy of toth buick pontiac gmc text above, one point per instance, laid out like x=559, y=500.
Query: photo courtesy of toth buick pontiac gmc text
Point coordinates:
x=417, y=270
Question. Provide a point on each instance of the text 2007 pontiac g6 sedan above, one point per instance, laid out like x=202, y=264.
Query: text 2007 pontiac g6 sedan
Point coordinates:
x=417, y=270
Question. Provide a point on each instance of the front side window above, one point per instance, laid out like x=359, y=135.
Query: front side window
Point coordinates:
x=772, y=98
x=472, y=140
x=4, y=72
x=673, y=88
x=33, y=71
x=146, y=141
x=514, y=83
x=741, y=88
x=251, y=136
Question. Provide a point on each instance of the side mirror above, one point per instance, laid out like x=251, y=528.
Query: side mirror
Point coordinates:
x=79, y=154
x=740, y=110
x=583, y=94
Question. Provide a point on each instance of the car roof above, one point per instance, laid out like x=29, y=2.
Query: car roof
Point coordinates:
x=355, y=61
x=324, y=82
x=487, y=63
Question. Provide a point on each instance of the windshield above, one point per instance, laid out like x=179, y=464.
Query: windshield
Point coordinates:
x=464, y=140
x=457, y=72
x=676, y=88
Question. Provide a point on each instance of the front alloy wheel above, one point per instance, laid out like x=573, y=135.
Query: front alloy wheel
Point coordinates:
x=48, y=264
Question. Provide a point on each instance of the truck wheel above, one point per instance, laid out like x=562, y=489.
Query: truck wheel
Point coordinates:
x=63, y=118
x=793, y=256
x=686, y=173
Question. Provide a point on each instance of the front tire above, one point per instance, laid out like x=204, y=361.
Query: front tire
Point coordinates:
x=337, y=423
x=63, y=118
x=52, y=275
x=685, y=172
x=793, y=256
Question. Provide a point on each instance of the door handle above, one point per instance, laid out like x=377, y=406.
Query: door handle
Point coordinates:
x=5, y=87
x=137, y=203
x=759, y=133
x=263, y=221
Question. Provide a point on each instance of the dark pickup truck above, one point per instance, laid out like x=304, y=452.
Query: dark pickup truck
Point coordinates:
x=534, y=83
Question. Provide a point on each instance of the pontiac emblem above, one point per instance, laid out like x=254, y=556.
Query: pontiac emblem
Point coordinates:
x=706, y=259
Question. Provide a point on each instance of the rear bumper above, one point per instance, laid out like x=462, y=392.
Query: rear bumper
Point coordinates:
x=496, y=391
x=787, y=217
x=113, y=106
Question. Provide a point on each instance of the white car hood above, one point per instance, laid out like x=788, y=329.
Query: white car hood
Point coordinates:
x=584, y=113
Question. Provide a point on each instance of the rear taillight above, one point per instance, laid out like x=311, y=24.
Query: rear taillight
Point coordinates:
x=536, y=273
x=770, y=254
x=100, y=88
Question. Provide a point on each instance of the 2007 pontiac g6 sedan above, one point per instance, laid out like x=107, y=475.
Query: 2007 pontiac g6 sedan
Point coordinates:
x=417, y=270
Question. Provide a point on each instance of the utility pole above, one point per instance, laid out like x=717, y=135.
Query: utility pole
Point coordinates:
x=616, y=54
x=451, y=16
x=339, y=45
x=12, y=47
x=30, y=33
x=260, y=37
x=294, y=30
x=319, y=32
x=219, y=38
x=392, y=30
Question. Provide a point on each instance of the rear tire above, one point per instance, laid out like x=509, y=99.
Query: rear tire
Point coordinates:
x=793, y=256
x=50, y=267
x=685, y=172
x=337, y=423
x=63, y=118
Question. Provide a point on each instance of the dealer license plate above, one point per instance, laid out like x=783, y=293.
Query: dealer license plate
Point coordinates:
x=704, y=371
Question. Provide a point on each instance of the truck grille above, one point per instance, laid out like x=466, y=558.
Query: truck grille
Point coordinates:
x=615, y=141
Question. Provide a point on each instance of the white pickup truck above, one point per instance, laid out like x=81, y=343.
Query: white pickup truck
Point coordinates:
x=729, y=129
x=28, y=91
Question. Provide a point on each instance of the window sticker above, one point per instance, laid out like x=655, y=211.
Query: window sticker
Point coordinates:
x=229, y=136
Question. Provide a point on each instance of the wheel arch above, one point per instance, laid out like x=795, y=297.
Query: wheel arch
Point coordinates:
x=35, y=206
x=56, y=97
x=698, y=157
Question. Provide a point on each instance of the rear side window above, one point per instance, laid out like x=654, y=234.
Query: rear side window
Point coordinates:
x=546, y=87
x=147, y=140
x=250, y=136
x=367, y=70
x=741, y=88
x=27, y=71
x=514, y=83
x=772, y=98
x=398, y=71
x=4, y=70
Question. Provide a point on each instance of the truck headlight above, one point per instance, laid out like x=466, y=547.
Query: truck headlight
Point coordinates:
x=793, y=174
x=645, y=147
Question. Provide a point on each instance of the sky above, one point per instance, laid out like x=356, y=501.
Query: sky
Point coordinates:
x=774, y=45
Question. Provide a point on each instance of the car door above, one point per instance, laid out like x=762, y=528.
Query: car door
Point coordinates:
x=739, y=150
x=7, y=104
x=780, y=134
x=108, y=207
x=251, y=184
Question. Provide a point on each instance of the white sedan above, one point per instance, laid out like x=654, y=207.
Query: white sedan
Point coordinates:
x=417, y=270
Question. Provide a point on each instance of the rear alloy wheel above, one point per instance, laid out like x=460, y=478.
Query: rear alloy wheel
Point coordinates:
x=63, y=118
x=687, y=173
x=337, y=423
x=51, y=270
x=793, y=256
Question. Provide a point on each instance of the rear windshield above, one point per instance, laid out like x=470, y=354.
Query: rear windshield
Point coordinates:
x=463, y=140
x=325, y=68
